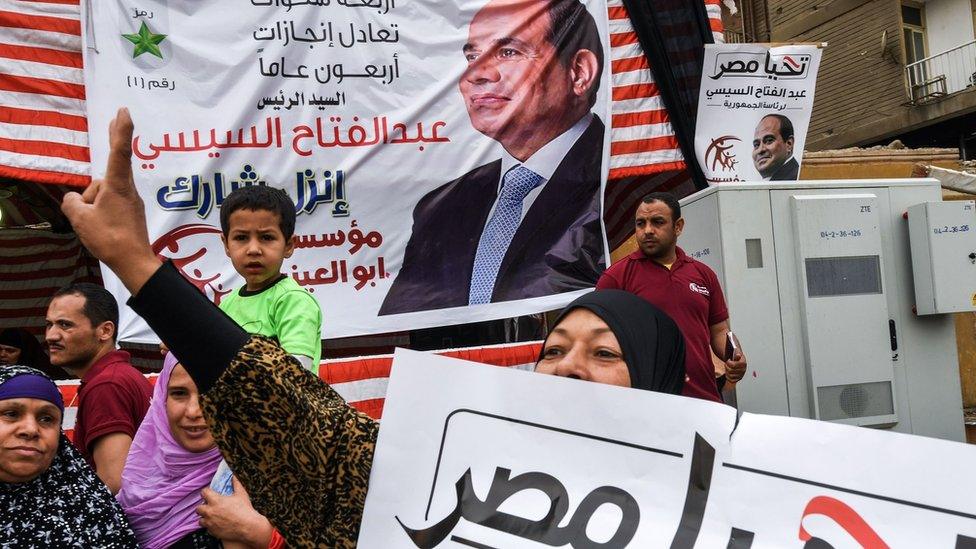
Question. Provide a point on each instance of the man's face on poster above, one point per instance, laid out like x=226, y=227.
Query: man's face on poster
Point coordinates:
x=769, y=149
x=514, y=85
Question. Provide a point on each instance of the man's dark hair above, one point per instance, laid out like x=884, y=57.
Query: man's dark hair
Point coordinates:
x=571, y=29
x=785, y=126
x=668, y=199
x=99, y=307
x=260, y=197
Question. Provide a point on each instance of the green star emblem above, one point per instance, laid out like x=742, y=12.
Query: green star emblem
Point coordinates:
x=145, y=41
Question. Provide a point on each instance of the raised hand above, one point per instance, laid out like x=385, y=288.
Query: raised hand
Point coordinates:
x=109, y=217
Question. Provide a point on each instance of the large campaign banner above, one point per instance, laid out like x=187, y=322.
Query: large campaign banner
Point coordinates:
x=479, y=456
x=446, y=158
x=754, y=110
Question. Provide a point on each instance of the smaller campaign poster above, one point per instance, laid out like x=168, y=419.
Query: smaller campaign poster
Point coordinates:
x=754, y=110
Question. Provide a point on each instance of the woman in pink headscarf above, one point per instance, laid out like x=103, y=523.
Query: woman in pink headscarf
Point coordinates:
x=172, y=458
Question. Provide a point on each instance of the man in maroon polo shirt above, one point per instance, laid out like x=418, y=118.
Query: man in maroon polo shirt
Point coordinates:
x=686, y=289
x=114, y=396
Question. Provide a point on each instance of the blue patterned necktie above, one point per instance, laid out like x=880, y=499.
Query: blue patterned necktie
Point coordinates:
x=498, y=233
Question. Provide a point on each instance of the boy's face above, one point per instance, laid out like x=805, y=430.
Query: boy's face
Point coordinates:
x=256, y=246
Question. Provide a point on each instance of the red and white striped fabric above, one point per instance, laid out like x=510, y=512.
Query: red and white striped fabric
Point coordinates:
x=642, y=140
x=43, y=127
x=69, y=393
x=714, y=10
x=361, y=381
x=33, y=265
x=641, y=136
x=644, y=154
x=43, y=124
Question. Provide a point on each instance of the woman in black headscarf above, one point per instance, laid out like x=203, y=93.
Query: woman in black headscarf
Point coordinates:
x=614, y=337
x=49, y=496
x=18, y=346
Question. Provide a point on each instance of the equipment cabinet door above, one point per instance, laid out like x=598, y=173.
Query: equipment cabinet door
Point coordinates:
x=844, y=311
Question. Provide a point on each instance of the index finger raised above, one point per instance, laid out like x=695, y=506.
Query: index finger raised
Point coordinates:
x=119, y=169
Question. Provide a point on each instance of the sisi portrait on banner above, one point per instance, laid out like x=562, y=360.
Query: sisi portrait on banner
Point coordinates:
x=772, y=149
x=527, y=224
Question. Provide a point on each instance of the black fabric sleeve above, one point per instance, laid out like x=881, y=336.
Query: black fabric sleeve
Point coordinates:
x=201, y=335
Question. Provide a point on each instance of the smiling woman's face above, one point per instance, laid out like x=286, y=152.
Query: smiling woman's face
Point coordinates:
x=582, y=346
x=30, y=429
x=186, y=421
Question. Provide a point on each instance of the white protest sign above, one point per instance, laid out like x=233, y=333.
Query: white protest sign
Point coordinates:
x=754, y=110
x=480, y=456
x=390, y=124
x=572, y=475
x=788, y=481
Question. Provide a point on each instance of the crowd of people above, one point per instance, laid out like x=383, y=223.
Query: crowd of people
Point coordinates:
x=239, y=443
x=209, y=456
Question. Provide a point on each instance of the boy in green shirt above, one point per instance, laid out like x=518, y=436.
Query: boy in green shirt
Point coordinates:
x=258, y=225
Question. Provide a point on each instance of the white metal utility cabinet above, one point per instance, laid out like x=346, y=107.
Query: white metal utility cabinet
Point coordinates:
x=838, y=321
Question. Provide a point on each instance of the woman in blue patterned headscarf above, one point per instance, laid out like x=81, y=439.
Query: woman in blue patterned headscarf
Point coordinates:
x=49, y=496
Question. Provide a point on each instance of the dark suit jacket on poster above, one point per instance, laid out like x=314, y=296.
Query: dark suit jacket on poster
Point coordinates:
x=789, y=171
x=557, y=248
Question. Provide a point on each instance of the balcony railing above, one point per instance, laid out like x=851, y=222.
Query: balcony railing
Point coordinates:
x=735, y=37
x=942, y=74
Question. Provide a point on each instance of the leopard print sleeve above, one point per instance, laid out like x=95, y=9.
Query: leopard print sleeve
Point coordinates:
x=302, y=453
